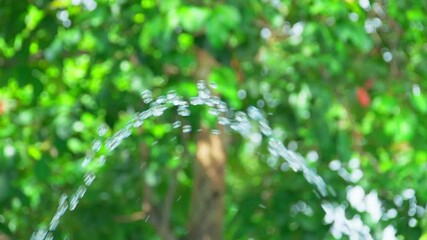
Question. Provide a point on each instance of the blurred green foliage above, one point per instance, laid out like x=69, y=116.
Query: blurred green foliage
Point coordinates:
x=342, y=79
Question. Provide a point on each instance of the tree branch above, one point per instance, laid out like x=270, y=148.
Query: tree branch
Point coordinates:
x=170, y=196
x=160, y=221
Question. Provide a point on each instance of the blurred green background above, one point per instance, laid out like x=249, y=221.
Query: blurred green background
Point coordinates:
x=341, y=82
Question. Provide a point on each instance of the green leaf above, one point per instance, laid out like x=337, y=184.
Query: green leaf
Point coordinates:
x=225, y=79
x=185, y=41
x=33, y=17
x=419, y=102
x=167, y=5
x=75, y=145
x=193, y=18
x=41, y=170
x=150, y=32
x=356, y=34
x=34, y=152
x=223, y=20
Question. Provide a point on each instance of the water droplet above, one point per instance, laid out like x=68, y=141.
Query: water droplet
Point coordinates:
x=223, y=121
x=137, y=121
x=49, y=236
x=241, y=94
x=89, y=178
x=266, y=33
x=186, y=128
x=408, y=193
x=230, y=113
x=293, y=146
x=179, y=102
x=147, y=96
x=125, y=132
x=391, y=213
x=63, y=199
x=176, y=124
x=387, y=56
x=183, y=111
x=265, y=128
x=215, y=131
x=241, y=117
x=273, y=147
x=255, y=113
x=416, y=90
x=213, y=85
x=86, y=161
x=222, y=107
x=213, y=111
x=209, y=101
x=161, y=100
x=412, y=212
x=171, y=95
x=158, y=110
x=81, y=191
x=103, y=129
x=412, y=222
x=335, y=165
x=242, y=124
x=9, y=151
x=54, y=223
x=272, y=161
x=145, y=114
x=420, y=211
x=62, y=208
x=235, y=126
x=112, y=143
x=40, y=234
x=101, y=160
x=312, y=156
x=96, y=145
x=73, y=203
x=75, y=198
x=196, y=101
x=201, y=84
x=284, y=167
x=215, y=100
x=255, y=138
x=204, y=93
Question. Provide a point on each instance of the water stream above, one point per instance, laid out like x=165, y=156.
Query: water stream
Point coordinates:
x=249, y=124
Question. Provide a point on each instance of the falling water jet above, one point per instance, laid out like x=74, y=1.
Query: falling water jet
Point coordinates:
x=240, y=122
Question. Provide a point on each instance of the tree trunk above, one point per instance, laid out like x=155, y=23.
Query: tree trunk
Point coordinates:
x=207, y=206
x=207, y=201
